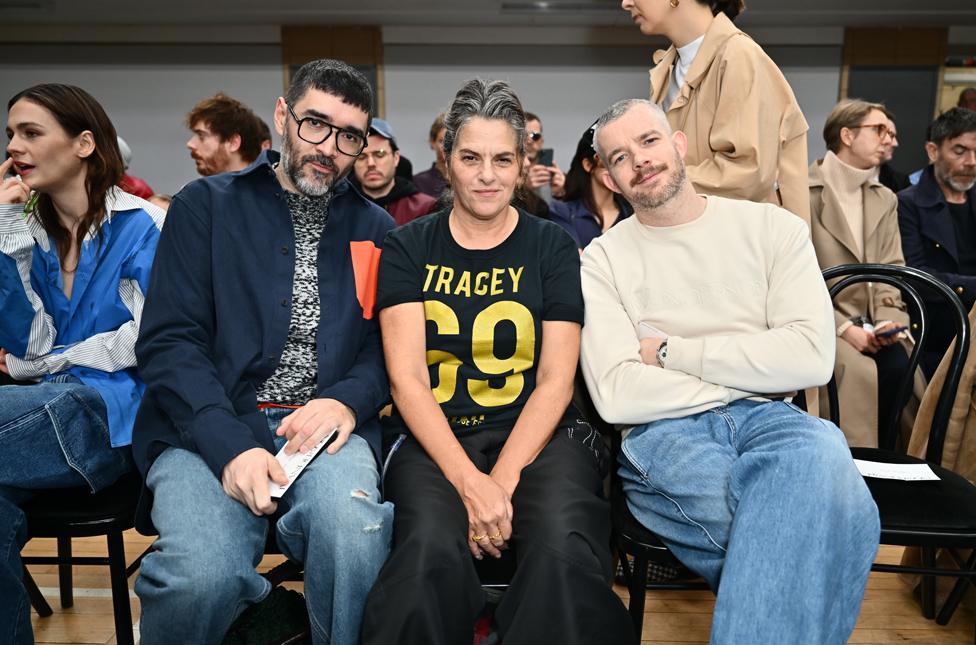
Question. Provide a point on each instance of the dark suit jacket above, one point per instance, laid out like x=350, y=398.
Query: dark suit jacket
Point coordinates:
x=928, y=240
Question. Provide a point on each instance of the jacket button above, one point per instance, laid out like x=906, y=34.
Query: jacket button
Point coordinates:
x=284, y=302
x=284, y=250
x=959, y=290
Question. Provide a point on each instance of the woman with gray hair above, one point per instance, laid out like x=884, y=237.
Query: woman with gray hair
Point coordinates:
x=480, y=308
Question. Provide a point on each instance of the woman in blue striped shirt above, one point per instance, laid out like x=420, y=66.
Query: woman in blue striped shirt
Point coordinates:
x=75, y=256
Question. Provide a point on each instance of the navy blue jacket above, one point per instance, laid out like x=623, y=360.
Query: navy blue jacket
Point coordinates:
x=928, y=240
x=928, y=237
x=217, y=316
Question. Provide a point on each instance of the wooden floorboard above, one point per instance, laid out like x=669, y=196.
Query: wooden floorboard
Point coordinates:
x=889, y=613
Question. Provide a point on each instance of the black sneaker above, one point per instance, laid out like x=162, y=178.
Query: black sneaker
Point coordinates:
x=280, y=619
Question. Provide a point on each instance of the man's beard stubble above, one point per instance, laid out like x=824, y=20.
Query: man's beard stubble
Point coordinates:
x=294, y=170
x=650, y=201
x=952, y=181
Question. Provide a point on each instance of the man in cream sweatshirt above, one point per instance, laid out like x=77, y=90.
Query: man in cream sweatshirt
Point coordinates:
x=701, y=312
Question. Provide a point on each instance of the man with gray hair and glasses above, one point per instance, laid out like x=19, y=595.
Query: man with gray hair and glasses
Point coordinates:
x=700, y=313
x=937, y=221
x=262, y=338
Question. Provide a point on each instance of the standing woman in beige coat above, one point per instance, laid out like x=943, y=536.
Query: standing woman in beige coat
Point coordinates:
x=854, y=219
x=746, y=133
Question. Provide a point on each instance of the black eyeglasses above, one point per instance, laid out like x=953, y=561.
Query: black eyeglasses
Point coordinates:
x=534, y=136
x=314, y=130
x=881, y=129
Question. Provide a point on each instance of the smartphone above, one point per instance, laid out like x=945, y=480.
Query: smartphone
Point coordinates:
x=645, y=330
x=545, y=157
x=891, y=332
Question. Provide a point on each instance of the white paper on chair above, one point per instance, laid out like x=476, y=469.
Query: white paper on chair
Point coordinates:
x=295, y=463
x=903, y=472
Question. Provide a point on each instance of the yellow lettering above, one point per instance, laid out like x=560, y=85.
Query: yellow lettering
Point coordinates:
x=446, y=322
x=483, y=353
x=430, y=274
x=516, y=276
x=496, y=281
x=444, y=279
x=464, y=285
x=481, y=284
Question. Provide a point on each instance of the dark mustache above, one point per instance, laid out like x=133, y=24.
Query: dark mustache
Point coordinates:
x=321, y=160
x=647, y=170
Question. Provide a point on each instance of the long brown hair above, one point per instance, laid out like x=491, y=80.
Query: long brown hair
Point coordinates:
x=76, y=111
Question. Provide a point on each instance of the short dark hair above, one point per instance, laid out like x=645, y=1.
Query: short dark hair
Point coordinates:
x=730, y=8
x=226, y=116
x=962, y=95
x=951, y=124
x=332, y=77
x=530, y=116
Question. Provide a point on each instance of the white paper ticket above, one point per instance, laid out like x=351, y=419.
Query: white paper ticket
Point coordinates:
x=295, y=463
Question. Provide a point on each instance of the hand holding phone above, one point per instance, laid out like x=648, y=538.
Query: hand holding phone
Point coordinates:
x=891, y=331
x=544, y=157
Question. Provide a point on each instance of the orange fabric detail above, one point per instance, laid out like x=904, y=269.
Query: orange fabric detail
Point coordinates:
x=365, y=267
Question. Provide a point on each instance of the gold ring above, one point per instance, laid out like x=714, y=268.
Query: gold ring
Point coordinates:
x=478, y=538
x=495, y=536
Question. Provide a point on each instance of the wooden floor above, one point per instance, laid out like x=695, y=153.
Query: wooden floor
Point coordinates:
x=889, y=615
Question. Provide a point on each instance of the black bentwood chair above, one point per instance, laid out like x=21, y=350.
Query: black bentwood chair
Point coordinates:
x=68, y=513
x=644, y=560
x=930, y=515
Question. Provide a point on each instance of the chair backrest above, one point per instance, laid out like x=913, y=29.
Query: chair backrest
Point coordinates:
x=909, y=280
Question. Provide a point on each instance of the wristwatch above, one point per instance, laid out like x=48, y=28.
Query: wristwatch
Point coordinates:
x=662, y=353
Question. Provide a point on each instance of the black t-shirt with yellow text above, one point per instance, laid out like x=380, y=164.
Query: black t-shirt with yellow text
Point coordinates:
x=484, y=311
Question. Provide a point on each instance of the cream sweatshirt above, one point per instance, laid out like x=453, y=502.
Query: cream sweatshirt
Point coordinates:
x=737, y=290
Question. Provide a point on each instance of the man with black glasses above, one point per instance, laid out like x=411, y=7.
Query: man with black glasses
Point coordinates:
x=261, y=336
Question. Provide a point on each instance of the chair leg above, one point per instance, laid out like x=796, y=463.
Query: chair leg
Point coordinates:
x=120, y=589
x=956, y=595
x=638, y=576
x=64, y=572
x=37, y=600
x=928, y=583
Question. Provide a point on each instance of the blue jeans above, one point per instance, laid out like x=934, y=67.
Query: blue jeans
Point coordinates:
x=52, y=435
x=765, y=503
x=201, y=573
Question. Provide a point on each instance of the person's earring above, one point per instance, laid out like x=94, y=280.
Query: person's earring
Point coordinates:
x=675, y=3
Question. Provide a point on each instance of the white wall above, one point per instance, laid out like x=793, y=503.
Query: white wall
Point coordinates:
x=567, y=86
x=148, y=89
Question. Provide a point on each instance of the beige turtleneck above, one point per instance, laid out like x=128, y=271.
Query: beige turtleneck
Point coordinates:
x=847, y=183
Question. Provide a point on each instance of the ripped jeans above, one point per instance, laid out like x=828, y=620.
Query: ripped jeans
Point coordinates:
x=201, y=574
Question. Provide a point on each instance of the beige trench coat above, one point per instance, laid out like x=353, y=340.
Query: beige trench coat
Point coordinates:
x=857, y=376
x=746, y=133
x=959, y=447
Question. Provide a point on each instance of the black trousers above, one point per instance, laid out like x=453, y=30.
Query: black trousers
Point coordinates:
x=429, y=591
x=892, y=365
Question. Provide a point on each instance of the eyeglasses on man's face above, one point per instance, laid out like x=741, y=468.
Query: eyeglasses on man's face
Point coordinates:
x=534, y=136
x=314, y=130
x=376, y=155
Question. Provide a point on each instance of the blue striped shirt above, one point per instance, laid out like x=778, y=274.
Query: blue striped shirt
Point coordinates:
x=91, y=336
